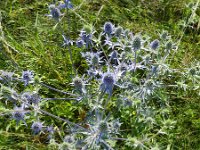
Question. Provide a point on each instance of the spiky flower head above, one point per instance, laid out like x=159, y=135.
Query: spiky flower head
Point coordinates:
x=54, y=12
x=164, y=35
x=113, y=55
x=36, y=127
x=79, y=43
x=88, y=29
x=108, y=28
x=27, y=76
x=108, y=81
x=79, y=84
x=6, y=76
x=154, y=44
x=26, y=96
x=169, y=45
x=137, y=43
x=116, y=125
x=95, y=59
x=50, y=131
x=31, y=97
x=67, y=4
x=103, y=126
x=118, y=32
x=9, y=94
x=87, y=38
x=35, y=99
x=18, y=114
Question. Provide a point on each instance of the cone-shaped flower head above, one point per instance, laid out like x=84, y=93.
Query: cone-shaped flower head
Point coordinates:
x=137, y=43
x=108, y=81
x=79, y=84
x=154, y=44
x=54, y=12
x=36, y=127
x=108, y=28
x=19, y=114
x=118, y=32
x=79, y=43
x=27, y=76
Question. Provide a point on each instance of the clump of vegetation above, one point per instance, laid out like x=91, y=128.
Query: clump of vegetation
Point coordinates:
x=115, y=88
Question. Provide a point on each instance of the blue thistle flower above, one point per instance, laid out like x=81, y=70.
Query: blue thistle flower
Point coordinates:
x=27, y=76
x=54, y=12
x=31, y=98
x=87, y=38
x=67, y=4
x=108, y=28
x=36, y=127
x=18, y=114
x=114, y=55
x=51, y=131
x=154, y=44
x=35, y=99
x=114, y=58
x=79, y=84
x=108, y=81
x=5, y=76
x=79, y=43
x=137, y=43
x=99, y=129
x=26, y=96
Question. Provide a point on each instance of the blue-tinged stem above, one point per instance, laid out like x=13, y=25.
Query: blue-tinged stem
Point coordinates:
x=68, y=46
x=60, y=99
x=54, y=89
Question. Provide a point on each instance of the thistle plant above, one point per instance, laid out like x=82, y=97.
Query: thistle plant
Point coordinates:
x=19, y=114
x=36, y=127
x=27, y=76
x=122, y=90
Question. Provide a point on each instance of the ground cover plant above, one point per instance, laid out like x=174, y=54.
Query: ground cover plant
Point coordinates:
x=99, y=75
